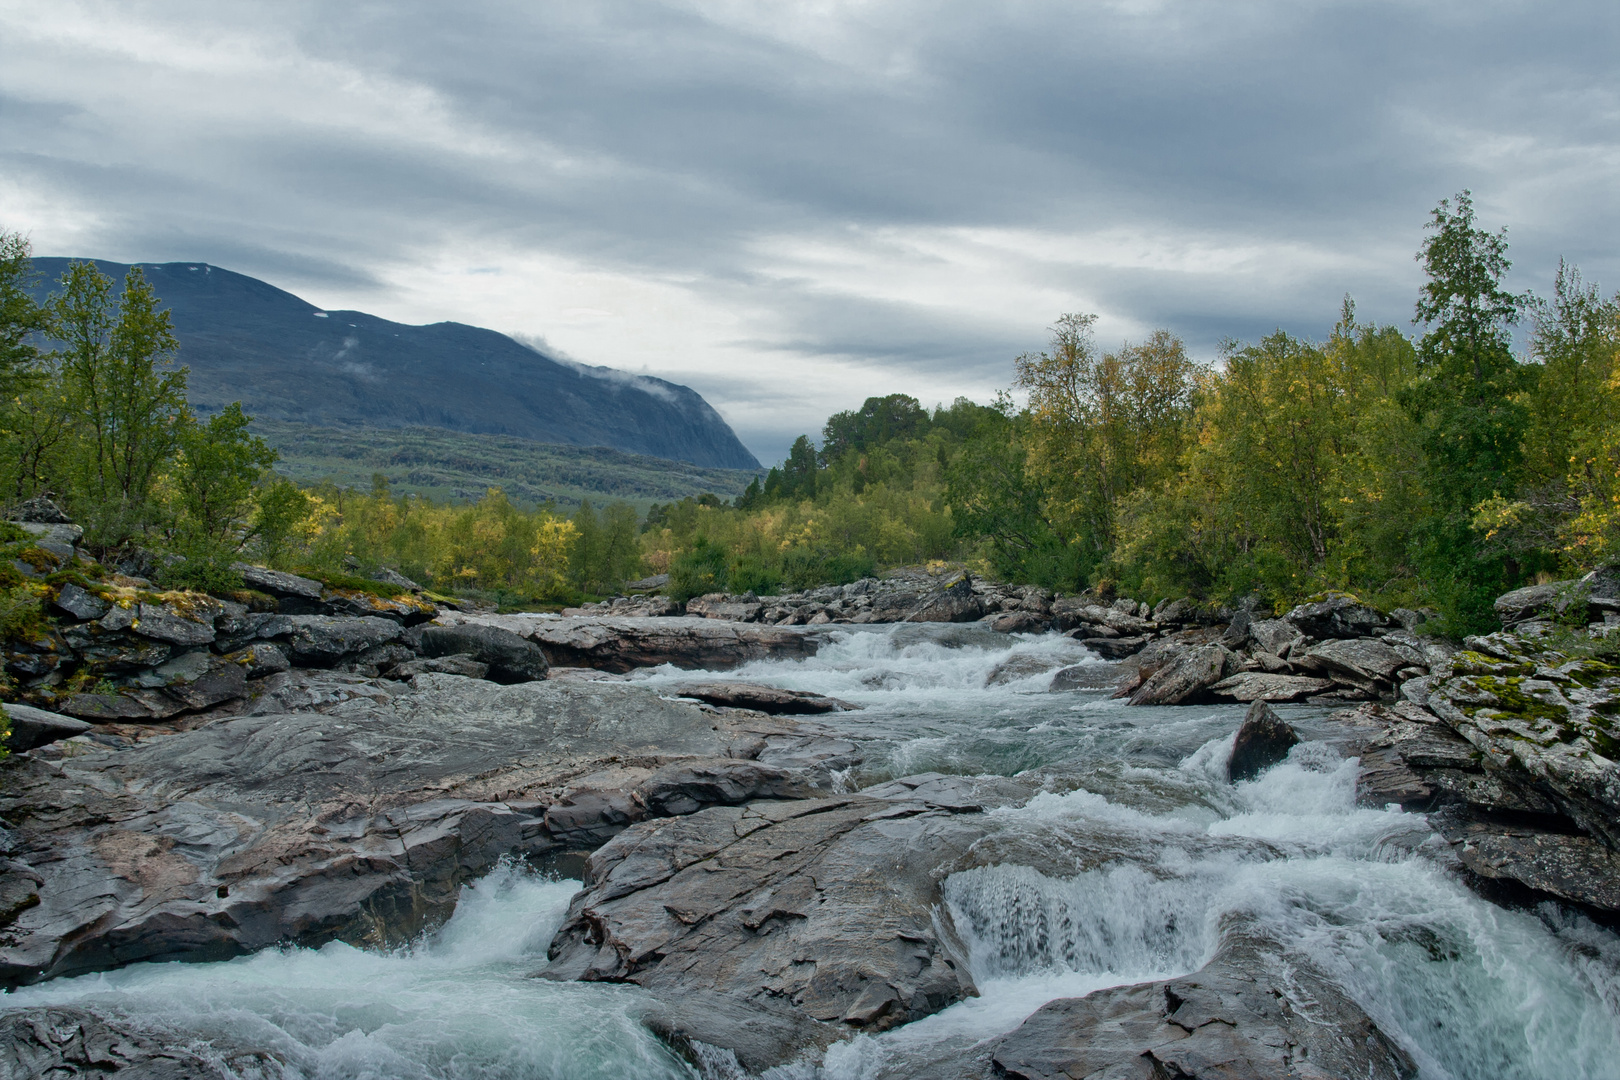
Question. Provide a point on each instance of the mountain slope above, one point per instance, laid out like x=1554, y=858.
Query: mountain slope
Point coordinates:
x=286, y=359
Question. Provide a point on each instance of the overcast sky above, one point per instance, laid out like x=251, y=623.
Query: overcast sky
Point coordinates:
x=792, y=206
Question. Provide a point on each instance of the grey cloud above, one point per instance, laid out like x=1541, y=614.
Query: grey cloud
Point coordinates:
x=650, y=139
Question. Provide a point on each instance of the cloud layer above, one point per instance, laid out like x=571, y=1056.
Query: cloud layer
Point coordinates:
x=792, y=206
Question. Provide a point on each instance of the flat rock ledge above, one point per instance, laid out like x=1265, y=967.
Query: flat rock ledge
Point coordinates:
x=351, y=809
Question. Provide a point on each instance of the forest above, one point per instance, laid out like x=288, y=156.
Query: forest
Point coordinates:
x=1432, y=468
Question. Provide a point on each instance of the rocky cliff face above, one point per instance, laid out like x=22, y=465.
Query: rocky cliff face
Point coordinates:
x=284, y=359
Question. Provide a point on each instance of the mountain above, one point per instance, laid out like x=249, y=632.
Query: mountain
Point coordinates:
x=285, y=359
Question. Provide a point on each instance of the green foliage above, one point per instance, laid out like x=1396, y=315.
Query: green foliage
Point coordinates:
x=700, y=569
x=116, y=378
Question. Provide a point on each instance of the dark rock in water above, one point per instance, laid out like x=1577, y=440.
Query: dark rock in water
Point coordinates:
x=1338, y=616
x=511, y=659
x=765, y=699
x=1572, y=868
x=773, y=927
x=80, y=603
x=1263, y=740
x=31, y=727
x=1018, y=622
x=1085, y=677
x=64, y=1041
x=1184, y=676
x=1114, y=648
x=1253, y=1013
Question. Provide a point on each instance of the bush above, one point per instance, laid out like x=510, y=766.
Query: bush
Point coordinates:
x=700, y=569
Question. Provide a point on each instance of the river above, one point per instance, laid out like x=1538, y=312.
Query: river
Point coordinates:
x=1469, y=989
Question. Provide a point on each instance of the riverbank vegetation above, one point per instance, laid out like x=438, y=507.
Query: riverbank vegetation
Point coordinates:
x=1434, y=468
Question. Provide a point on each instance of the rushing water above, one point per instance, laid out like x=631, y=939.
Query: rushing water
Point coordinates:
x=1470, y=989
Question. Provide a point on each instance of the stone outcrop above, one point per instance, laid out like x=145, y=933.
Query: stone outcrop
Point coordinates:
x=355, y=818
x=1254, y=1012
x=1262, y=741
x=63, y=1041
x=766, y=699
x=507, y=657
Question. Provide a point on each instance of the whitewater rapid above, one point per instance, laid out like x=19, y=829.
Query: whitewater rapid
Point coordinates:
x=1470, y=989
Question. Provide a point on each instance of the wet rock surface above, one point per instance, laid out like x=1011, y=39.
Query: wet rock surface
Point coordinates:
x=1254, y=1012
x=355, y=818
x=1262, y=741
x=61, y=1042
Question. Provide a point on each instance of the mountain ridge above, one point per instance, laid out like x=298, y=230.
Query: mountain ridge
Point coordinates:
x=287, y=359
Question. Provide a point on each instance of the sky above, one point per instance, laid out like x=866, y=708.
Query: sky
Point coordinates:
x=793, y=206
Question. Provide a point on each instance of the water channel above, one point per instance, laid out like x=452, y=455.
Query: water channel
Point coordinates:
x=1470, y=989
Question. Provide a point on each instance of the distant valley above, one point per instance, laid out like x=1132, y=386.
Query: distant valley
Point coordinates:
x=298, y=368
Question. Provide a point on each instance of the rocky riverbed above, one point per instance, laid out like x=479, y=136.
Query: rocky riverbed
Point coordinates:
x=631, y=843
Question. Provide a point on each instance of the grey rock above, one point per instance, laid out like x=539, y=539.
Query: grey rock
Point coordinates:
x=1017, y=622
x=1115, y=648
x=1573, y=868
x=723, y=606
x=953, y=603
x=118, y=617
x=41, y=509
x=115, y=652
x=765, y=699
x=187, y=683
x=1255, y=1012
x=1338, y=616
x=1020, y=666
x=510, y=658
x=1176, y=611
x=1237, y=631
x=60, y=540
x=1262, y=741
x=259, y=659
x=357, y=820
x=191, y=625
x=323, y=640
x=1368, y=660
x=278, y=583
x=465, y=666
x=80, y=603
x=1185, y=677
x=1533, y=600
x=61, y=1041
x=1085, y=677
x=389, y=576
x=1275, y=636
x=31, y=727
x=776, y=926
x=648, y=584
x=1248, y=686
x=622, y=644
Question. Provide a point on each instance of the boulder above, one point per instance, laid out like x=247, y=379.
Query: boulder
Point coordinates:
x=954, y=602
x=1115, y=648
x=1533, y=601
x=187, y=622
x=1248, y=686
x=41, y=509
x=1176, y=611
x=278, y=583
x=1017, y=622
x=723, y=606
x=1184, y=677
x=775, y=926
x=623, y=644
x=31, y=727
x=189, y=682
x=1274, y=635
x=765, y=699
x=114, y=652
x=465, y=666
x=398, y=580
x=1337, y=616
x=510, y=658
x=1365, y=659
x=323, y=640
x=1262, y=741
x=1085, y=677
x=1254, y=1012
x=355, y=603
x=78, y=603
x=259, y=659
x=60, y=540
x=69, y=1041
